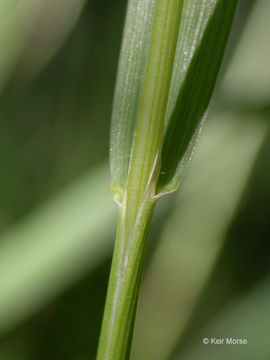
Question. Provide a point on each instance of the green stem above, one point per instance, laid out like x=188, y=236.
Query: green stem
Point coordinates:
x=126, y=269
x=139, y=197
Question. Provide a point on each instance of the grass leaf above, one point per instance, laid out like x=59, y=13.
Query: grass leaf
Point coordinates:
x=144, y=163
x=203, y=35
x=136, y=39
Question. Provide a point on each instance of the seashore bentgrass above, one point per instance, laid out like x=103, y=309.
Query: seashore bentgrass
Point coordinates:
x=170, y=57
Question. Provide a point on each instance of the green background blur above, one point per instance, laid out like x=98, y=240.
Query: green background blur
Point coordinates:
x=208, y=267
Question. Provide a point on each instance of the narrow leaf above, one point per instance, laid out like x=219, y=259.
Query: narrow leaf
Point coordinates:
x=203, y=35
x=136, y=39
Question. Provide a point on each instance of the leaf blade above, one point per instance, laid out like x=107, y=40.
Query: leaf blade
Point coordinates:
x=136, y=39
x=202, y=40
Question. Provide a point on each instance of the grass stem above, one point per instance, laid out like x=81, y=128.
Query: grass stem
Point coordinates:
x=136, y=208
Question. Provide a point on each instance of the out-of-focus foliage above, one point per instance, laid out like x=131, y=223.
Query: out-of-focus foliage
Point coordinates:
x=247, y=318
x=57, y=73
x=53, y=246
x=31, y=31
x=248, y=80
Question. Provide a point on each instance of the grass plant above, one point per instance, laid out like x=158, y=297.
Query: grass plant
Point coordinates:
x=171, y=54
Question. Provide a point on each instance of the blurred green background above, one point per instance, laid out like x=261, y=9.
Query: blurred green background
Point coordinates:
x=207, y=272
